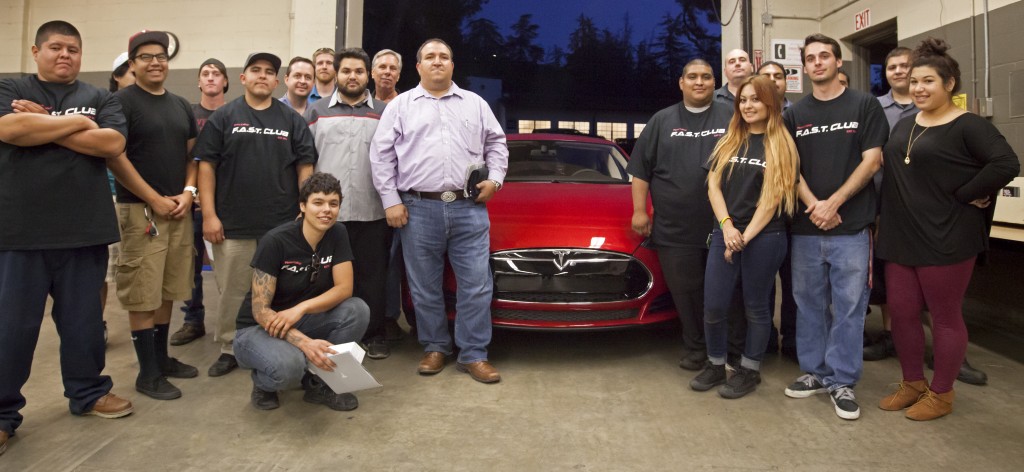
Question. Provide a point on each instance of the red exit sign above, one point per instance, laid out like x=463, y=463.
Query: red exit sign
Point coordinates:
x=862, y=20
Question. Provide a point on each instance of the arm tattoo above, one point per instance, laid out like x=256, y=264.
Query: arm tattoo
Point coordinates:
x=263, y=287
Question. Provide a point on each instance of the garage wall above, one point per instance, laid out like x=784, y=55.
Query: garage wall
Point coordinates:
x=226, y=29
x=916, y=20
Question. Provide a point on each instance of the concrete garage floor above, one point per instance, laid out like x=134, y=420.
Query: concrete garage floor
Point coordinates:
x=602, y=401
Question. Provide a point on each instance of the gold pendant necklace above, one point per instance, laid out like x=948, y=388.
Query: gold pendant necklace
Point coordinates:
x=912, y=140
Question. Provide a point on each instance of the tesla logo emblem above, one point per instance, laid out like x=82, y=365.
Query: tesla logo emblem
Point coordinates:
x=560, y=262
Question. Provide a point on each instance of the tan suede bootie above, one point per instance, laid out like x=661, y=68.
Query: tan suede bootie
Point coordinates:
x=932, y=405
x=908, y=393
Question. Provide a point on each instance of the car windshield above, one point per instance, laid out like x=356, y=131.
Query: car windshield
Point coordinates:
x=565, y=161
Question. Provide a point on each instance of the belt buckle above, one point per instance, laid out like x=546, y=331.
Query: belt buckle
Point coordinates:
x=448, y=196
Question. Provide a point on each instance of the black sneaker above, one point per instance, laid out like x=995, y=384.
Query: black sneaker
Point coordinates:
x=318, y=392
x=881, y=349
x=263, y=400
x=176, y=369
x=225, y=363
x=805, y=386
x=106, y=334
x=741, y=383
x=693, y=360
x=846, y=403
x=158, y=388
x=710, y=377
x=377, y=349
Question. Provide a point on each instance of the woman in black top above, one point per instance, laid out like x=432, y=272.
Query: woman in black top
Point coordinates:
x=301, y=301
x=751, y=183
x=942, y=171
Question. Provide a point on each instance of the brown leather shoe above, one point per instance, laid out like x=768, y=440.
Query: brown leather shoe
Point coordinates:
x=111, y=406
x=481, y=371
x=432, y=363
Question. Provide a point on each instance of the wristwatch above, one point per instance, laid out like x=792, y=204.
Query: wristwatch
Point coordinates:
x=497, y=185
x=192, y=190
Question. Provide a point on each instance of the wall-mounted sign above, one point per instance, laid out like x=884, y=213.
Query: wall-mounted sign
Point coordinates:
x=787, y=51
x=794, y=80
x=862, y=20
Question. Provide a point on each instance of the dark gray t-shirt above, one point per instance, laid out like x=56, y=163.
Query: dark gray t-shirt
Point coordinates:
x=670, y=154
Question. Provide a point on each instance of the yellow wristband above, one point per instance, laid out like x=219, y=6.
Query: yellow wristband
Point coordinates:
x=722, y=223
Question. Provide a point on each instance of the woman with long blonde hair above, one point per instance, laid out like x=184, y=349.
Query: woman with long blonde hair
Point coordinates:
x=752, y=184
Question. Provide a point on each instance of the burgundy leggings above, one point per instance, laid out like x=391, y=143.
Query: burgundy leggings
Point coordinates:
x=941, y=290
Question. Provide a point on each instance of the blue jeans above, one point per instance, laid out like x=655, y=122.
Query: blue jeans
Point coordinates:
x=462, y=230
x=831, y=272
x=72, y=277
x=756, y=266
x=278, y=365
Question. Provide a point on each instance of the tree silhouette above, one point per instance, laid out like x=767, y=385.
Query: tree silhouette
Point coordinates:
x=519, y=45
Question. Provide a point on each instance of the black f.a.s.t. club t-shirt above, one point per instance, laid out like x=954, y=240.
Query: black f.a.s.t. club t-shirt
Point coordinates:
x=255, y=154
x=285, y=254
x=831, y=137
x=50, y=196
x=741, y=186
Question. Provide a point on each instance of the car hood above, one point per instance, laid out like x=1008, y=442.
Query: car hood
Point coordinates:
x=597, y=216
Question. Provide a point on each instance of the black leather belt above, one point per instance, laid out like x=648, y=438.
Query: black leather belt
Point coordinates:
x=448, y=196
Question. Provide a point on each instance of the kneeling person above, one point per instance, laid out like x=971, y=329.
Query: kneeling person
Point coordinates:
x=301, y=301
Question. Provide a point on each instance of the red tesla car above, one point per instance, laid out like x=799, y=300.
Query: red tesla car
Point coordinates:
x=562, y=251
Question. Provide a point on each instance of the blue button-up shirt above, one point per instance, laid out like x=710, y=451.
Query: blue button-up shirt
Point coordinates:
x=894, y=112
x=427, y=143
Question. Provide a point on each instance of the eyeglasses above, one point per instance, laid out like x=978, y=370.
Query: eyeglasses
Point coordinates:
x=150, y=57
x=314, y=268
x=151, y=226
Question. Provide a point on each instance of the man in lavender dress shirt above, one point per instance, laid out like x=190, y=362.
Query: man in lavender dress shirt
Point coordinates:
x=427, y=139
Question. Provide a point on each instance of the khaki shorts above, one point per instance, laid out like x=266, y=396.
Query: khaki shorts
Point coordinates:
x=113, y=251
x=151, y=269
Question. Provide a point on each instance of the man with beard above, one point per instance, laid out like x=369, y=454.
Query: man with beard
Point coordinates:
x=213, y=84
x=253, y=155
x=667, y=162
x=427, y=141
x=156, y=182
x=298, y=79
x=387, y=69
x=342, y=127
x=737, y=68
x=323, y=63
x=839, y=133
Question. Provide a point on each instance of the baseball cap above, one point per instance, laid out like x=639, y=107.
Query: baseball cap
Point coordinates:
x=264, y=56
x=121, y=59
x=147, y=37
x=219, y=65
x=215, y=63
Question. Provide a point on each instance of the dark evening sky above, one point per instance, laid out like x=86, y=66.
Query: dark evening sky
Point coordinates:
x=557, y=18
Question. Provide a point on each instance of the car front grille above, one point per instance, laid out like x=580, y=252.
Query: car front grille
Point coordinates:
x=563, y=316
x=568, y=276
